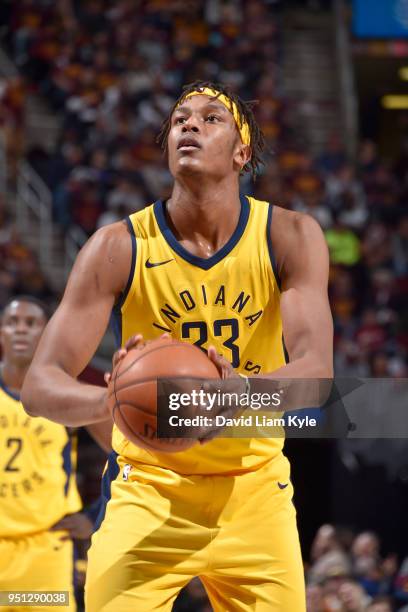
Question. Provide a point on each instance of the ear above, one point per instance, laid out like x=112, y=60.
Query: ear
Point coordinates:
x=242, y=155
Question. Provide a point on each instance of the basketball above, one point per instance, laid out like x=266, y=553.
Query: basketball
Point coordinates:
x=132, y=392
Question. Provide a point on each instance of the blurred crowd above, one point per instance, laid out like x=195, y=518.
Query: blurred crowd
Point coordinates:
x=348, y=573
x=20, y=272
x=112, y=71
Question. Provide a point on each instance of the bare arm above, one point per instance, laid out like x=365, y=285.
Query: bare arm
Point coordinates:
x=102, y=434
x=303, y=263
x=73, y=334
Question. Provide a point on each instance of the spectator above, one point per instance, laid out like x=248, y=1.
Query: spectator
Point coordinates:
x=400, y=248
x=315, y=599
x=344, y=245
x=352, y=597
x=380, y=604
x=373, y=573
x=329, y=559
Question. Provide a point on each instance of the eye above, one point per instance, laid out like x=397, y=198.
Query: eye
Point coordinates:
x=212, y=118
x=179, y=120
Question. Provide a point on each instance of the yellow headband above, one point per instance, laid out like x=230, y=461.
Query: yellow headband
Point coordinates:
x=243, y=127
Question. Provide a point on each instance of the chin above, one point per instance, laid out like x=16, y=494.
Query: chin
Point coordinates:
x=188, y=166
x=23, y=358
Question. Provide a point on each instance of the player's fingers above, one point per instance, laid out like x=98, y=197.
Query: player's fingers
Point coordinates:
x=223, y=366
x=231, y=384
x=209, y=387
x=65, y=537
x=60, y=526
x=209, y=435
x=117, y=356
x=134, y=342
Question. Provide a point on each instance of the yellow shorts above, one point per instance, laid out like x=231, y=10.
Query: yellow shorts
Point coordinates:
x=38, y=562
x=237, y=533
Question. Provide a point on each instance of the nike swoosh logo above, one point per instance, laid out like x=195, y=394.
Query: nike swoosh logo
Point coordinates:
x=149, y=264
x=282, y=486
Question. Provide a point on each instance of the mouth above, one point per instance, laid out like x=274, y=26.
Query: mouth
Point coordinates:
x=188, y=144
x=21, y=345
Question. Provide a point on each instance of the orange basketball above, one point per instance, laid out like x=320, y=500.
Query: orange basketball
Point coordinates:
x=132, y=389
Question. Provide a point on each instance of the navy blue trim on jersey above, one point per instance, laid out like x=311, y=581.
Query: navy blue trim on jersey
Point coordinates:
x=124, y=294
x=110, y=474
x=270, y=249
x=8, y=391
x=285, y=350
x=74, y=574
x=202, y=262
x=92, y=511
x=67, y=464
x=116, y=325
x=116, y=315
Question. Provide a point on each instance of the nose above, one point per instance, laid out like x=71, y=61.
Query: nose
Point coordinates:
x=21, y=327
x=191, y=125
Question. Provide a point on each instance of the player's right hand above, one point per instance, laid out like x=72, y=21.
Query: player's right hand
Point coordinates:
x=135, y=342
x=77, y=526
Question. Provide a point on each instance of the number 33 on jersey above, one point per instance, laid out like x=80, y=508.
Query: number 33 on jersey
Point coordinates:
x=230, y=300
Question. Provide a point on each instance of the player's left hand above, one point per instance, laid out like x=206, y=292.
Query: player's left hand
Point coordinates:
x=78, y=526
x=233, y=384
x=223, y=366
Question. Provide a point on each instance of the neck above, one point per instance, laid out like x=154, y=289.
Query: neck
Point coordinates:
x=13, y=375
x=210, y=210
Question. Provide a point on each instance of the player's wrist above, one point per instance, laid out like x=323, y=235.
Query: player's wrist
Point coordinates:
x=102, y=412
x=247, y=382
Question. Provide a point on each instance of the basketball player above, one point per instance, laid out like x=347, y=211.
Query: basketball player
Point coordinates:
x=229, y=274
x=37, y=486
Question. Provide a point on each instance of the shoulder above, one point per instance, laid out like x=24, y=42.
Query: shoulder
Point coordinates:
x=296, y=237
x=112, y=236
x=107, y=256
x=294, y=225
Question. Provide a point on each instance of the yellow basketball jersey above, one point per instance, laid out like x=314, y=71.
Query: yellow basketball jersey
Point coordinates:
x=230, y=300
x=37, y=470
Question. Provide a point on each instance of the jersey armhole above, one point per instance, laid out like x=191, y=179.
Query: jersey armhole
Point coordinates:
x=116, y=316
x=122, y=299
x=270, y=247
x=274, y=269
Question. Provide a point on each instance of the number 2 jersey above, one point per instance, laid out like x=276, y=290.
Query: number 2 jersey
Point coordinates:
x=230, y=300
x=37, y=470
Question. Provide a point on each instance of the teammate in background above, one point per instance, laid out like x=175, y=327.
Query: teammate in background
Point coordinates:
x=229, y=274
x=39, y=501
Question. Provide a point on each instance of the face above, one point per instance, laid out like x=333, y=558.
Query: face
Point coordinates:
x=381, y=606
x=366, y=544
x=314, y=598
x=351, y=596
x=204, y=140
x=21, y=328
x=324, y=541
